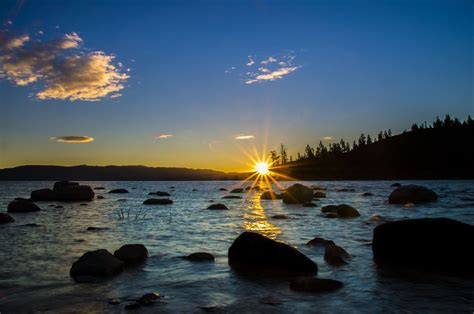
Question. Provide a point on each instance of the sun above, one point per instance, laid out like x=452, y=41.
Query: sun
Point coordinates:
x=262, y=168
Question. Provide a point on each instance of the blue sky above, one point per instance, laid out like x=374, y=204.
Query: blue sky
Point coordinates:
x=354, y=66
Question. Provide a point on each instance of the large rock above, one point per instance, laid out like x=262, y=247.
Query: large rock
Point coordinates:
x=99, y=263
x=437, y=244
x=335, y=255
x=158, y=201
x=315, y=285
x=43, y=195
x=132, y=253
x=199, y=257
x=298, y=194
x=118, y=191
x=218, y=206
x=340, y=211
x=78, y=193
x=5, y=218
x=412, y=194
x=253, y=251
x=270, y=195
x=22, y=206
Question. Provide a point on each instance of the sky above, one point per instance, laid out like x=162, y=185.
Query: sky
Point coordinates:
x=203, y=84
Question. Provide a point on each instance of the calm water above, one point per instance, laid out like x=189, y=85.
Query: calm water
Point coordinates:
x=35, y=261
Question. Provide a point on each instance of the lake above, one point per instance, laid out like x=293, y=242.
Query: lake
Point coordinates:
x=35, y=260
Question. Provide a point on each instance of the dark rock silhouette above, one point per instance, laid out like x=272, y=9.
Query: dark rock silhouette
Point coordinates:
x=43, y=195
x=217, y=206
x=199, y=257
x=297, y=194
x=158, y=201
x=118, y=191
x=315, y=285
x=412, y=194
x=238, y=190
x=254, y=251
x=319, y=241
x=100, y=197
x=396, y=185
x=99, y=263
x=22, y=206
x=97, y=228
x=340, y=211
x=335, y=255
x=75, y=193
x=132, y=254
x=270, y=195
x=367, y=194
x=432, y=244
x=319, y=194
x=222, y=189
x=232, y=197
x=99, y=188
x=5, y=218
x=279, y=217
x=149, y=298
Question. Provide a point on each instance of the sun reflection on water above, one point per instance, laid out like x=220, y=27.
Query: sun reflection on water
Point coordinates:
x=255, y=219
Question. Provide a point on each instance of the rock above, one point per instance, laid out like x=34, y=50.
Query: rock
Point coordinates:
x=319, y=194
x=149, y=298
x=159, y=193
x=43, y=195
x=61, y=185
x=58, y=206
x=75, y=193
x=217, y=206
x=194, y=190
x=309, y=204
x=199, y=257
x=270, y=195
x=118, y=191
x=97, y=228
x=345, y=190
x=367, y=194
x=158, y=201
x=99, y=263
x=279, y=217
x=232, y=197
x=254, y=251
x=100, y=197
x=99, y=188
x=222, y=189
x=340, y=211
x=238, y=190
x=29, y=225
x=297, y=194
x=22, y=207
x=315, y=285
x=319, y=241
x=83, y=204
x=335, y=255
x=412, y=194
x=396, y=185
x=5, y=218
x=132, y=254
x=434, y=244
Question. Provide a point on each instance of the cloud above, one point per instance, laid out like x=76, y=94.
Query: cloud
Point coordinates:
x=269, y=60
x=264, y=70
x=73, y=139
x=328, y=138
x=164, y=136
x=60, y=68
x=275, y=75
x=244, y=137
x=250, y=62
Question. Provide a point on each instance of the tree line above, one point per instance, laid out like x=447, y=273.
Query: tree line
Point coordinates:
x=336, y=149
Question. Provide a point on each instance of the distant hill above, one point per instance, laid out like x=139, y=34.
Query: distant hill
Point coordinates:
x=112, y=173
x=441, y=151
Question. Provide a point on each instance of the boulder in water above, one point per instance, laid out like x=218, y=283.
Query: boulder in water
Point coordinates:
x=270, y=195
x=412, y=194
x=118, y=191
x=99, y=263
x=132, y=254
x=281, y=216
x=43, y=195
x=335, y=255
x=199, y=257
x=5, y=218
x=340, y=211
x=319, y=194
x=434, y=244
x=315, y=285
x=75, y=193
x=222, y=189
x=238, y=190
x=22, y=206
x=158, y=201
x=253, y=251
x=319, y=241
x=217, y=206
x=367, y=194
x=297, y=194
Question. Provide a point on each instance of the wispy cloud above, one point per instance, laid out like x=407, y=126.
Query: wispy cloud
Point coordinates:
x=60, y=68
x=271, y=76
x=245, y=137
x=269, y=60
x=328, y=138
x=164, y=136
x=250, y=62
x=73, y=139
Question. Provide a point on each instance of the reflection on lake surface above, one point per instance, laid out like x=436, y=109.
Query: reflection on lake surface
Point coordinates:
x=35, y=261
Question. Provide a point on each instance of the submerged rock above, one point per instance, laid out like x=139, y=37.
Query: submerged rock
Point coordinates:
x=412, y=194
x=5, y=218
x=222, y=189
x=254, y=251
x=97, y=228
x=132, y=254
x=238, y=190
x=43, y=195
x=158, y=201
x=99, y=188
x=297, y=194
x=279, y=217
x=149, y=298
x=270, y=195
x=99, y=263
x=316, y=285
x=319, y=194
x=217, y=206
x=75, y=193
x=22, y=206
x=434, y=244
x=199, y=257
x=319, y=241
x=335, y=255
x=118, y=191
x=367, y=194
x=340, y=211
